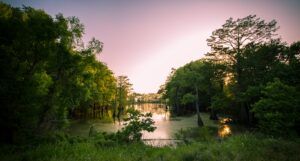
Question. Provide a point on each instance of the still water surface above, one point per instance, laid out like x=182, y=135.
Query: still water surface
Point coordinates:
x=166, y=126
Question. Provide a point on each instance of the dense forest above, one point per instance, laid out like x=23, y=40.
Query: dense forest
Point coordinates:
x=250, y=75
x=48, y=74
x=50, y=77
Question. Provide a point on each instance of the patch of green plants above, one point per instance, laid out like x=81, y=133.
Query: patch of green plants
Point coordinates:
x=248, y=147
x=197, y=134
x=135, y=123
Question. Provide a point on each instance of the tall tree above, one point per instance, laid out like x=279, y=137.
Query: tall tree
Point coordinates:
x=227, y=43
x=194, y=85
x=45, y=72
x=123, y=90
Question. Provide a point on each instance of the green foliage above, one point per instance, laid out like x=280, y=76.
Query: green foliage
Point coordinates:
x=236, y=34
x=248, y=48
x=122, y=93
x=260, y=63
x=191, y=87
x=220, y=101
x=135, y=124
x=203, y=76
x=46, y=72
x=279, y=109
x=188, y=98
x=206, y=133
x=41, y=83
x=231, y=78
x=240, y=147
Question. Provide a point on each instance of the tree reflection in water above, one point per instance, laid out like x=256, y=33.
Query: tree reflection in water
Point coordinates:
x=224, y=130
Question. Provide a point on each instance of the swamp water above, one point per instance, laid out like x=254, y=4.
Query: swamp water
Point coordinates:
x=166, y=126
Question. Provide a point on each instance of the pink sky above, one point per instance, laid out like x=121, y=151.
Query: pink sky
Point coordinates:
x=145, y=39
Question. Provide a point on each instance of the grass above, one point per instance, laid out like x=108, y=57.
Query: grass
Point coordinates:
x=207, y=121
x=201, y=144
x=240, y=147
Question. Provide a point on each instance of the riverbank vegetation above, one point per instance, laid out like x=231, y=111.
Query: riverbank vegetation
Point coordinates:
x=49, y=76
x=249, y=75
x=238, y=147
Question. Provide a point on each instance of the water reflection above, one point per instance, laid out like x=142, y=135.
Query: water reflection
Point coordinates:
x=159, y=111
x=224, y=129
x=166, y=125
x=225, y=120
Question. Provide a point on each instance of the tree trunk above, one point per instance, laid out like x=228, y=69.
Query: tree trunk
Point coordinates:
x=176, y=103
x=94, y=111
x=244, y=114
x=114, y=116
x=213, y=114
x=199, y=120
x=102, y=112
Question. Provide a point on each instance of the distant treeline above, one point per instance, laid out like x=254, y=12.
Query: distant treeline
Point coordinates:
x=147, y=98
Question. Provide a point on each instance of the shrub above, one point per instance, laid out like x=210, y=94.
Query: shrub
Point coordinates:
x=135, y=124
x=278, y=110
x=197, y=134
x=132, y=132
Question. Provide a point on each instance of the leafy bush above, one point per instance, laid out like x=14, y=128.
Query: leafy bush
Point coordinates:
x=220, y=101
x=278, y=110
x=132, y=132
x=197, y=134
x=135, y=124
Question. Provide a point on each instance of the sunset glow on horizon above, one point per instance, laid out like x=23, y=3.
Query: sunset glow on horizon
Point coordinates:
x=145, y=39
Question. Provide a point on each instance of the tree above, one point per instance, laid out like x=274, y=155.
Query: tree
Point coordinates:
x=123, y=89
x=195, y=83
x=228, y=42
x=234, y=35
x=28, y=42
x=135, y=124
x=278, y=110
x=46, y=72
x=292, y=60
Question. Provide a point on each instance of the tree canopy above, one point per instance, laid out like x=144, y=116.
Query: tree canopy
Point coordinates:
x=48, y=74
x=236, y=78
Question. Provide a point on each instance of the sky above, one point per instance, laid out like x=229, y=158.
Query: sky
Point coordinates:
x=144, y=39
